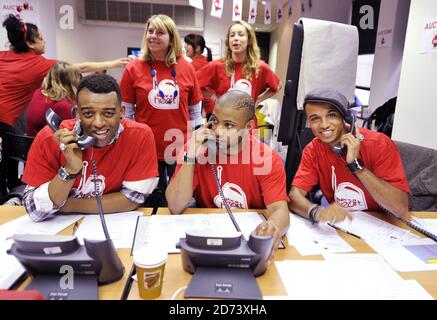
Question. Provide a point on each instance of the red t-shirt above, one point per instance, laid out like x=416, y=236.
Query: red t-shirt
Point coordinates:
x=254, y=183
x=35, y=117
x=320, y=165
x=199, y=62
x=161, y=114
x=213, y=77
x=130, y=158
x=20, y=75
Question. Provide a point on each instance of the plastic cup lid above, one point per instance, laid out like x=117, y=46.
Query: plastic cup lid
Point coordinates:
x=149, y=257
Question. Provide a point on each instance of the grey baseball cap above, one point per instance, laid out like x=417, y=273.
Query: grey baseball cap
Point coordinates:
x=328, y=95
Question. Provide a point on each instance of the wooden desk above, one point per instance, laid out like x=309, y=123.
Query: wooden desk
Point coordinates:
x=270, y=283
x=111, y=291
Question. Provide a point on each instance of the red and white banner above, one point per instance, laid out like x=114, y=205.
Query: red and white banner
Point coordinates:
x=279, y=13
x=237, y=10
x=196, y=4
x=268, y=13
x=253, y=11
x=217, y=8
x=290, y=8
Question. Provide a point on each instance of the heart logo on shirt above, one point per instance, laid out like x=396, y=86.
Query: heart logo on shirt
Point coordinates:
x=244, y=85
x=169, y=99
x=351, y=197
x=235, y=196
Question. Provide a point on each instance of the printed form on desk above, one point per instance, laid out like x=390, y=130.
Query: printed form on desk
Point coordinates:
x=167, y=230
x=121, y=228
x=371, y=228
x=315, y=239
x=10, y=268
x=346, y=277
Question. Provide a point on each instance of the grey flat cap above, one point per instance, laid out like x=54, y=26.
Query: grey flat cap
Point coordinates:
x=328, y=95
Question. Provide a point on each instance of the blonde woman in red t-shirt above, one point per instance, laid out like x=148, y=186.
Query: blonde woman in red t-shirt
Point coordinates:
x=57, y=92
x=160, y=89
x=241, y=68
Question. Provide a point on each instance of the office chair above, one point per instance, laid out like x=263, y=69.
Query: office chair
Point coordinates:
x=17, y=146
x=420, y=165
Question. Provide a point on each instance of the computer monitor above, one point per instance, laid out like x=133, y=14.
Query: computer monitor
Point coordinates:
x=134, y=51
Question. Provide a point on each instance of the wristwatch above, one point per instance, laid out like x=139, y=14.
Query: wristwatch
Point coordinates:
x=356, y=165
x=65, y=176
x=188, y=159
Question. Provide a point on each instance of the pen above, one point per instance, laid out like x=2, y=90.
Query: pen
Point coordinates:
x=343, y=230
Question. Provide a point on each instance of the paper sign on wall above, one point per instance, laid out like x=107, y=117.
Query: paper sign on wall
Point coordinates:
x=429, y=36
x=384, y=38
x=279, y=13
x=268, y=13
x=290, y=8
x=253, y=11
x=217, y=8
x=237, y=8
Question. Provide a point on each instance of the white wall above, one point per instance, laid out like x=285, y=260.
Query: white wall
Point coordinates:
x=387, y=63
x=94, y=43
x=416, y=109
x=215, y=29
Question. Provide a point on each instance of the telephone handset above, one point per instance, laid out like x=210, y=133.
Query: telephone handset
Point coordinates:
x=350, y=119
x=210, y=144
x=54, y=121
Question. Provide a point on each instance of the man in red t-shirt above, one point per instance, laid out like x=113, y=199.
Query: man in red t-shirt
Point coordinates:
x=359, y=170
x=250, y=174
x=58, y=173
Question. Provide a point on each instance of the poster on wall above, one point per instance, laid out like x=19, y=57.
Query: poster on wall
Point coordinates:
x=25, y=10
x=237, y=8
x=252, y=11
x=217, y=8
x=384, y=38
x=429, y=36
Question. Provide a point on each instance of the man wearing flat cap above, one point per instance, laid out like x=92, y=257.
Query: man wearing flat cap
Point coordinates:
x=356, y=168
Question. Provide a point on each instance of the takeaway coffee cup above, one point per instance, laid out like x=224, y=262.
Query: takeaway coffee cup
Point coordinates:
x=150, y=264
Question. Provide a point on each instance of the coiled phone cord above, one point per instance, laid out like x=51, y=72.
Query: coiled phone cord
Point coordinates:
x=225, y=203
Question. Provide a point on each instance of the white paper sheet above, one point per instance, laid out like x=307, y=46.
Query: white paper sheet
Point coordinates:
x=10, y=268
x=349, y=277
x=166, y=230
x=25, y=225
x=315, y=239
x=400, y=258
x=121, y=228
x=369, y=227
x=428, y=224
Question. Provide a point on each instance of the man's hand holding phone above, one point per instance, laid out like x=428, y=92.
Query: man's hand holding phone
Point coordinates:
x=70, y=149
x=197, y=144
